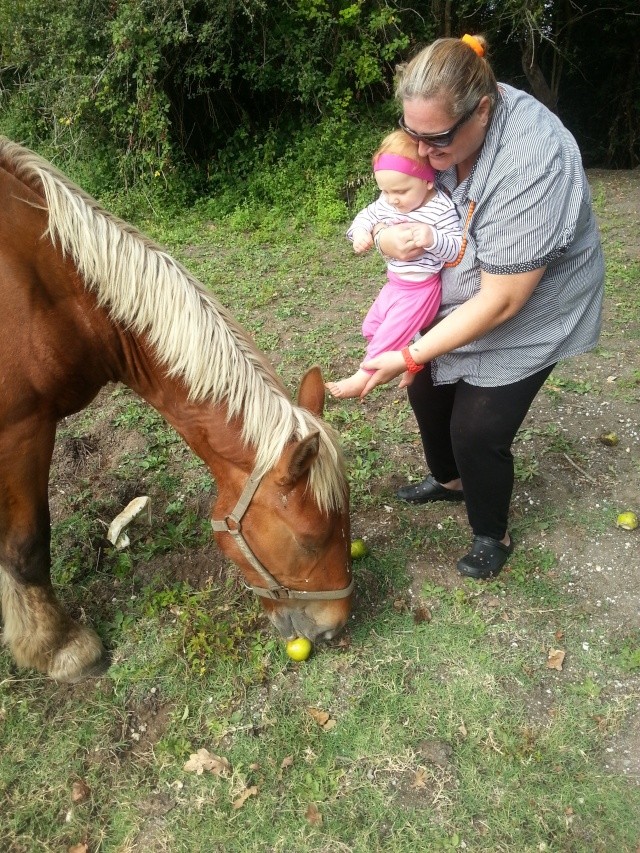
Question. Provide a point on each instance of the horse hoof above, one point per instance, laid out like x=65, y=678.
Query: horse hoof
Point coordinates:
x=95, y=670
x=83, y=657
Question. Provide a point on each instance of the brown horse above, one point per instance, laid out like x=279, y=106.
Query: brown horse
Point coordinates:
x=85, y=300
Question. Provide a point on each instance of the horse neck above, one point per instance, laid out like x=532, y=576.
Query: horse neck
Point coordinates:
x=204, y=426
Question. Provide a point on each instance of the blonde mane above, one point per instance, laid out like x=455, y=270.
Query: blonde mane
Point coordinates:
x=195, y=338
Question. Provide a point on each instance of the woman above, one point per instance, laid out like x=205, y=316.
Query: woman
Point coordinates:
x=525, y=291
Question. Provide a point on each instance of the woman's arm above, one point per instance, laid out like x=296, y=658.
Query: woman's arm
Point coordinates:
x=396, y=241
x=500, y=297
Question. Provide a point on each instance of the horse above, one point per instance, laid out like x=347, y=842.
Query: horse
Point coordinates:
x=85, y=300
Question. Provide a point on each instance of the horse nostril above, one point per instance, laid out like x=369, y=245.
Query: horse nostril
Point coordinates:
x=330, y=633
x=283, y=624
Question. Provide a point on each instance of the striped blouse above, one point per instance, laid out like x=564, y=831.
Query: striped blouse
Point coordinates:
x=532, y=208
x=439, y=212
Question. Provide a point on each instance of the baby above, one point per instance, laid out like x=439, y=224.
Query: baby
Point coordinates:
x=409, y=300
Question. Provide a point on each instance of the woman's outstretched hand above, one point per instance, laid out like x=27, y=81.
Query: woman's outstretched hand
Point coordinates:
x=387, y=365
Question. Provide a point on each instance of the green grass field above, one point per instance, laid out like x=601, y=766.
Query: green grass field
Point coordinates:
x=436, y=723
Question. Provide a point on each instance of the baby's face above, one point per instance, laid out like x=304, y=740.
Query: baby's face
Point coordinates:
x=404, y=192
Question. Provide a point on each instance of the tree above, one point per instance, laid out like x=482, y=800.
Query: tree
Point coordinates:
x=163, y=81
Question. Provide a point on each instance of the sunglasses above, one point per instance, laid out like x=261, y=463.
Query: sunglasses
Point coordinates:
x=438, y=140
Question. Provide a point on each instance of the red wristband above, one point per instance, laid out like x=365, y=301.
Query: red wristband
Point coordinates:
x=412, y=367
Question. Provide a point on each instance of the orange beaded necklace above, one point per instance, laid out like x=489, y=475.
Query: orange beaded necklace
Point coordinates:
x=463, y=245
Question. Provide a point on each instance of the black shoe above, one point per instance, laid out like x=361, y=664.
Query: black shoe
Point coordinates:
x=485, y=559
x=428, y=490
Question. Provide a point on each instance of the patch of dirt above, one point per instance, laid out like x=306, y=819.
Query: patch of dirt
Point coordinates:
x=622, y=755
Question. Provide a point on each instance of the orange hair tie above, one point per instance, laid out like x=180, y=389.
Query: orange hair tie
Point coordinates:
x=473, y=43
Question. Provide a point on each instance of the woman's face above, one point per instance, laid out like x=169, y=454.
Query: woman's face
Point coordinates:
x=431, y=117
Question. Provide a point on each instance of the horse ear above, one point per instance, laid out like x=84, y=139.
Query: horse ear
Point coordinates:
x=312, y=391
x=297, y=459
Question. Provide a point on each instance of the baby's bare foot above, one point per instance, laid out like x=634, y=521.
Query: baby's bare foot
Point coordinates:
x=353, y=386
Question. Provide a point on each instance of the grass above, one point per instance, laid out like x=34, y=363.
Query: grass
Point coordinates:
x=436, y=723
x=448, y=728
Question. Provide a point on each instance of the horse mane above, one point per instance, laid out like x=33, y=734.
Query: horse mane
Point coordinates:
x=193, y=336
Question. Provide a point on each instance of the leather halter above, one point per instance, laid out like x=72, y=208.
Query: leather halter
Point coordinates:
x=274, y=589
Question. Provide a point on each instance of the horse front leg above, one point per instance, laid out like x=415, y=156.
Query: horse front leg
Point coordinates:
x=37, y=630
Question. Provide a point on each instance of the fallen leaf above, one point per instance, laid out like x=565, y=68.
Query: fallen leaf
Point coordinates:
x=115, y=533
x=555, y=659
x=462, y=729
x=244, y=796
x=421, y=614
x=80, y=792
x=83, y=847
x=322, y=719
x=203, y=760
x=319, y=716
x=286, y=762
x=559, y=635
x=313, y=815
x=601, y=722
x=419, y=778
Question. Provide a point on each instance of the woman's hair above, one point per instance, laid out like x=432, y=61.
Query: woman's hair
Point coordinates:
x=451, y=70
x=397, y=142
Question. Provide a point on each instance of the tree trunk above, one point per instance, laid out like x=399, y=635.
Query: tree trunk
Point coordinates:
x=539, y=86
x=442, y=13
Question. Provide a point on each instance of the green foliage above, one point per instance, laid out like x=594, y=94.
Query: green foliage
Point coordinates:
x=305, y=180
x=75, y=541
x=271, y=109
x=212, y=629
x=158, y=80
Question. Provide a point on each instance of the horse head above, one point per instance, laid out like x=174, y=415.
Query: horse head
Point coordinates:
x=293, y=550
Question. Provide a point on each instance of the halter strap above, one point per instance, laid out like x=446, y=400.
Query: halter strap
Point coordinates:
x=274, y=589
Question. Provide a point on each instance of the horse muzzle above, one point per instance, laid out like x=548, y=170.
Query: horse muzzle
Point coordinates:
x=317, y=621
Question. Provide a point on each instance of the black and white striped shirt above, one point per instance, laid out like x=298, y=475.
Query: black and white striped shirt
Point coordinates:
x=439, y=212
x=532, y=208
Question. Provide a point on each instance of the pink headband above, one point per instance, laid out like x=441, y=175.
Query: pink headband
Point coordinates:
x=397, y=163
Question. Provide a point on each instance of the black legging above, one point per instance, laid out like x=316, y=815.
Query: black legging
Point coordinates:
x=467, y=432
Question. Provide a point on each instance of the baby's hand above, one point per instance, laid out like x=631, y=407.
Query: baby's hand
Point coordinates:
x=423, y=235
x=362, y=241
